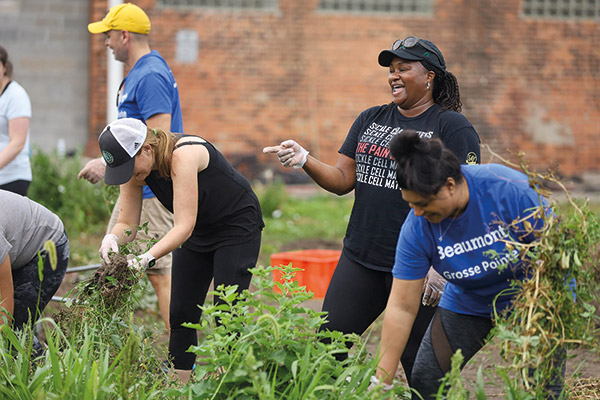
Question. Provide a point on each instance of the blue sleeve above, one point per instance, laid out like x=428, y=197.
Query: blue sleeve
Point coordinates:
x=154, y=95
x=413, y=258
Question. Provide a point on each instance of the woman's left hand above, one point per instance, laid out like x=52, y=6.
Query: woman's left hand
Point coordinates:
x=140, y=263
x=433, y=288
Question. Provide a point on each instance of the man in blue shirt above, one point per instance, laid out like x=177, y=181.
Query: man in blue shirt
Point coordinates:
x=149, y=93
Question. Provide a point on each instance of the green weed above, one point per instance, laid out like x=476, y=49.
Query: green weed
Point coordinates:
x=545, y=319
x=264, y=345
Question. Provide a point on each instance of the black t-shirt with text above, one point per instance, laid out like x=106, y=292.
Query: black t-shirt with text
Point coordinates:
x=379, y=210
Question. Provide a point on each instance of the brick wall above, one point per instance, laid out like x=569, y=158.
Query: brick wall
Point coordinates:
x=526, y=85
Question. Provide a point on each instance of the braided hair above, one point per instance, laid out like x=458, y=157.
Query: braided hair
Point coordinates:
x=445, y=88
x=423, y=165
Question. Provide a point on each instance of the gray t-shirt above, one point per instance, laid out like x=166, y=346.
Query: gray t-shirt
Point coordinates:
x=24, y=228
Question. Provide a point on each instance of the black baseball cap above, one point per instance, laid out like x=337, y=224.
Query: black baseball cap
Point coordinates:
x=413, y=49
x=119, y=143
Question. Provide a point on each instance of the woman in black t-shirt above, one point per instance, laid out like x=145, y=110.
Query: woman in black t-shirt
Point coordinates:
x=425, y=98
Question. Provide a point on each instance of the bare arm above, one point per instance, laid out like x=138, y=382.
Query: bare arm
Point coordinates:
x=338, y=179
x=130, y=208
x=7, y=294
x=161, y=121
x=400, y=313
x=93, y=170
x=17, y=135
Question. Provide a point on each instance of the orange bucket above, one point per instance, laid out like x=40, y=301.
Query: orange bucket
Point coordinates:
x=318, y=266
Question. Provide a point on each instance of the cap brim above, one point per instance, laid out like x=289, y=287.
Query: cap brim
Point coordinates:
x=386, y=56
x=121, y=174
x=98, y=27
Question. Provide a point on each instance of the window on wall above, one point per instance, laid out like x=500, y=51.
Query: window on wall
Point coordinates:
x=222, y=4
x=567, y=9
x=378, y=6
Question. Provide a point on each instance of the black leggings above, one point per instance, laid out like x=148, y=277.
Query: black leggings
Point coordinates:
x=357, y=296
x=192, y=273
x=19, y=187
x=450, y=331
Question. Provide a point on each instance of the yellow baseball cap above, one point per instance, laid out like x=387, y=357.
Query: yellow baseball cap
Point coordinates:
x=123, y=17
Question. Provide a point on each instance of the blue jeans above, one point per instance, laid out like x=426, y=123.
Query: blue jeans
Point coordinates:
x=31, y=295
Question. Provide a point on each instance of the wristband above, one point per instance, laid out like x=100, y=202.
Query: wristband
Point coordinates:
x=151, y=260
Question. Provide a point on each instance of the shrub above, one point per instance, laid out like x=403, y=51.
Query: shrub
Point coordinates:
x=81, y=205
x=266, y=346
x=545, y=319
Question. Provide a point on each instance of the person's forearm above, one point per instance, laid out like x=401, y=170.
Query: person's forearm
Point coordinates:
x=10, y=152
x=329, y=177
x=172, y=240
x=8, y=305
x=122, y=229
x=7, y=292
x=397, y=325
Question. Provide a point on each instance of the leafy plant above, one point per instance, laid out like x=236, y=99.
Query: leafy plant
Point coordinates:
x=545, y=319
x=78, y=203
x=264, y=345
x=272, y=197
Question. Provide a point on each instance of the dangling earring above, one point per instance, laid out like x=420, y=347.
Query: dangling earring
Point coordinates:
x=428, y=86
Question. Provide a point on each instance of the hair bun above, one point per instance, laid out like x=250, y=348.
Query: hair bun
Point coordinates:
x=406, y=144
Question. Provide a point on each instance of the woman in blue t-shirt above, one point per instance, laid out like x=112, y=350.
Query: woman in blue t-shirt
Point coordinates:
x=460, y=215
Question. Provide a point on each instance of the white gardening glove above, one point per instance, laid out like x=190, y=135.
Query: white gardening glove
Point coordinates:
x=141, y=263
x=109, y=243
x=290, y=153
x=433, y=288
x=386, y=387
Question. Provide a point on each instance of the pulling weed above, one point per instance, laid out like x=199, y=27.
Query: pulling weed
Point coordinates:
x=555, y=308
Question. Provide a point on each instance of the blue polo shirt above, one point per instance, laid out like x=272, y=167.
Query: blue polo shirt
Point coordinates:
x=149, y=89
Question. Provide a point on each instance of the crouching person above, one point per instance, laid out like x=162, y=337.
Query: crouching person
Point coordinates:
x=25, y=226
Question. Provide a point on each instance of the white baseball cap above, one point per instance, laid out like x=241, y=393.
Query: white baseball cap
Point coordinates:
x=119, y=142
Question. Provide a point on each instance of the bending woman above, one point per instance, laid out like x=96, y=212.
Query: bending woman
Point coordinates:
x=217, y=218
x=459, y=216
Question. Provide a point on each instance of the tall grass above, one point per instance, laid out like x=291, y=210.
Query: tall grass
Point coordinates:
x=80, y=368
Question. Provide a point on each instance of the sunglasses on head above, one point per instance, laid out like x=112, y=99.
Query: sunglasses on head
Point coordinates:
x=412, y=41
